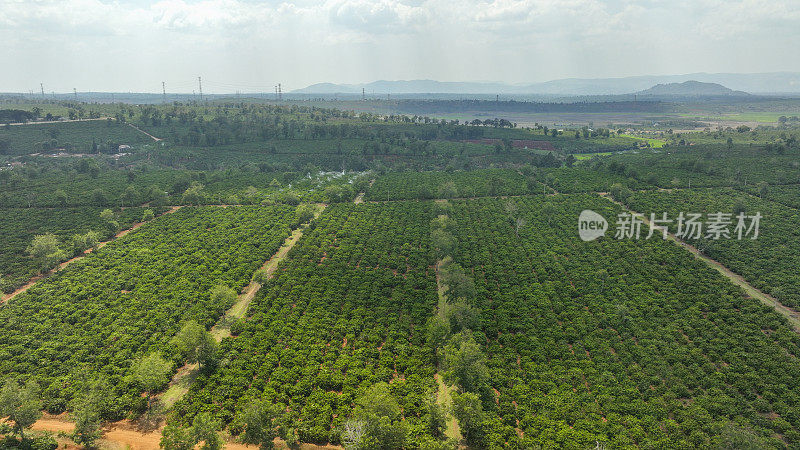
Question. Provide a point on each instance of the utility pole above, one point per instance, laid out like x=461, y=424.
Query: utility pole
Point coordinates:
x=200, y=85
x=164, y=91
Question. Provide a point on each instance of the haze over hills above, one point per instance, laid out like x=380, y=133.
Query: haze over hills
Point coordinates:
x=756, y=83
x=691, y=89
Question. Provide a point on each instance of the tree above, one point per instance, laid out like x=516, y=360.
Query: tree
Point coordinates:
x=468, y=410
x=763, y=189
x=87, y=411
x=448, y=190
x=152, y=373
x=196, y=345
x=175, y=437
x=376, y=422
x=443, y=242
x=110, y=219
x=188, y=340
x=549, y=211
x=354, y=434
x=206, y=430
x=620, y=192
x=461, y=316
x=20, y=404
x=157, y=196
x=442, y=221
x=437, y=330
x=223, y=295
x=60, y=197
x=147, y=215
x=194, y=194
x=459, y=284
x=735, y=437
x=436, y=417
x=129, y=195
x=305, y=213
x=98, y=197
x=466, y=363
x=107, y=215
x=259, y=424
x=46, y=249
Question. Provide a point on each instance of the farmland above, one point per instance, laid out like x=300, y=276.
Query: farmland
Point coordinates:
x=576, y=348
x=434, y=293
x=103, y=312
x=19, y=226
x=769, y=262
x=72, y=137
x=345, y=312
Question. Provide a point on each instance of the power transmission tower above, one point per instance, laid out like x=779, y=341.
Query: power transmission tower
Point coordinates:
x=276, y=92
x=280, y=93
x=164, y=92
x=363, y=95
x=75, y=91
x=200, y=85
x=41, y=85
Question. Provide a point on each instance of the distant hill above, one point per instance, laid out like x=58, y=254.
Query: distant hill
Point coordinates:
x=755, y=83
x=691, y=88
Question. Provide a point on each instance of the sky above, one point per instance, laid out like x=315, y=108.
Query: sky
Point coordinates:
x=249, y=46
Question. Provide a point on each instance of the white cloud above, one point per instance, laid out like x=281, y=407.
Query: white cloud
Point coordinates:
x=359, y=40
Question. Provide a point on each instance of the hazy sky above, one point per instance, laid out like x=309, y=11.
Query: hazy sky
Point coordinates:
x=247, y=45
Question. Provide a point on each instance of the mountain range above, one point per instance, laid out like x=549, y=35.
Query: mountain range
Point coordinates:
x=754, y=83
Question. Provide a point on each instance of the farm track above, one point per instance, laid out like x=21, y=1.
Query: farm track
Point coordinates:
x=32, y=282
x=443, y=391
x=790, y=314
x=126, y=434
x=185, y=376
x=155, y=139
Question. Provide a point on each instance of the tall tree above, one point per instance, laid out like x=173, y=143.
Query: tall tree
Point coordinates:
x=151, y=372
x=21, y=404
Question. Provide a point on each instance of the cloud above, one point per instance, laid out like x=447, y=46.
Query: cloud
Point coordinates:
x=377, y=17
x=341, y=40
